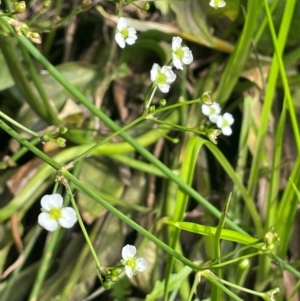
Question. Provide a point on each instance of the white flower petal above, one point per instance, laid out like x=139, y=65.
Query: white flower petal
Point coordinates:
x=68, y=218
x=164, y=88
x=229, y=118
x=47, y=222
x=213, y=118
x=51, y=200
x=128, y=251
x=176, y=43
x=130, y=40
x=188, y=56
x=122, y=23
x=141, y=264
x=154, y=72
x=176, y=62
x=227, y=131
x=120, y=39
x=128, y=271
x=171, y=76
x=205, y=109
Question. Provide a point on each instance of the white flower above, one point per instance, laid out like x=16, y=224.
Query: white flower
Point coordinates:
x=162, y=77
x=124, y=34
x=132, y=263
x=212, y=111
x=180, y=54
x=217, y=3
x=54, y=214
x=224, y=122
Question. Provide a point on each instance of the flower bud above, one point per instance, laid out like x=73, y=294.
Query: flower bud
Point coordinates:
x=206, y=98
x=19, y=7
x=114, y=278
x=63, y=130
x=212, y=135
x=270, y=238
x=46, y=4
x=24, y=27
x=86, y=5
x=106, y=285
x=162, y=103
x=61, y=142
x=116, y=271
x=244, y=264
x=146, y=6
x=46, y=138
x=152, y=109
x=34, y=37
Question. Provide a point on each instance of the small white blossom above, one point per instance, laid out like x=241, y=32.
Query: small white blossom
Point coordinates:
x=180, y=54
x=55, y=214
x=124, y=34
x=212, y=111
x=217, y=3
x=162, y=77
x=224, y=123
x=132, y=263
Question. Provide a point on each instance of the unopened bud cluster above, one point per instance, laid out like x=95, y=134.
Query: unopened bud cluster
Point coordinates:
x=61, y=142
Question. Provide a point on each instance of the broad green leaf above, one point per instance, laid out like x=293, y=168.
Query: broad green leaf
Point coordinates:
x=226, y=234
x=6, y=81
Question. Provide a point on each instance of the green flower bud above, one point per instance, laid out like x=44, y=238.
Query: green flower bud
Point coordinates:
x=34, y=37
x=212, y=135
x=63, y=130
x=61, y=142
x=86, y=5
x=114, y=278
x=24, y=27
x=106, y=285
x=19, y=7
x=244, y=264
x=270, y=238
x=146, y=6
x=46, y=4
x=162, y=103
x=206, y=98
x=46, y=138
x=152, y=109
x=116, y=271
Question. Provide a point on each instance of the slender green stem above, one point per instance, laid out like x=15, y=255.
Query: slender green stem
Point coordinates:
x=234, y=260
x=81, y=224
x=107, y=139
x=218, y=282
x=148, y=99
x=17, y=124
x=179, y=127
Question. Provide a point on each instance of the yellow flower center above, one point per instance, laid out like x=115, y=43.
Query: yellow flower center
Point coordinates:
x=55, y=213
x=124, y=33
x=161, y=78
x=225, y=123
x=179, y=53
x=131, y=263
